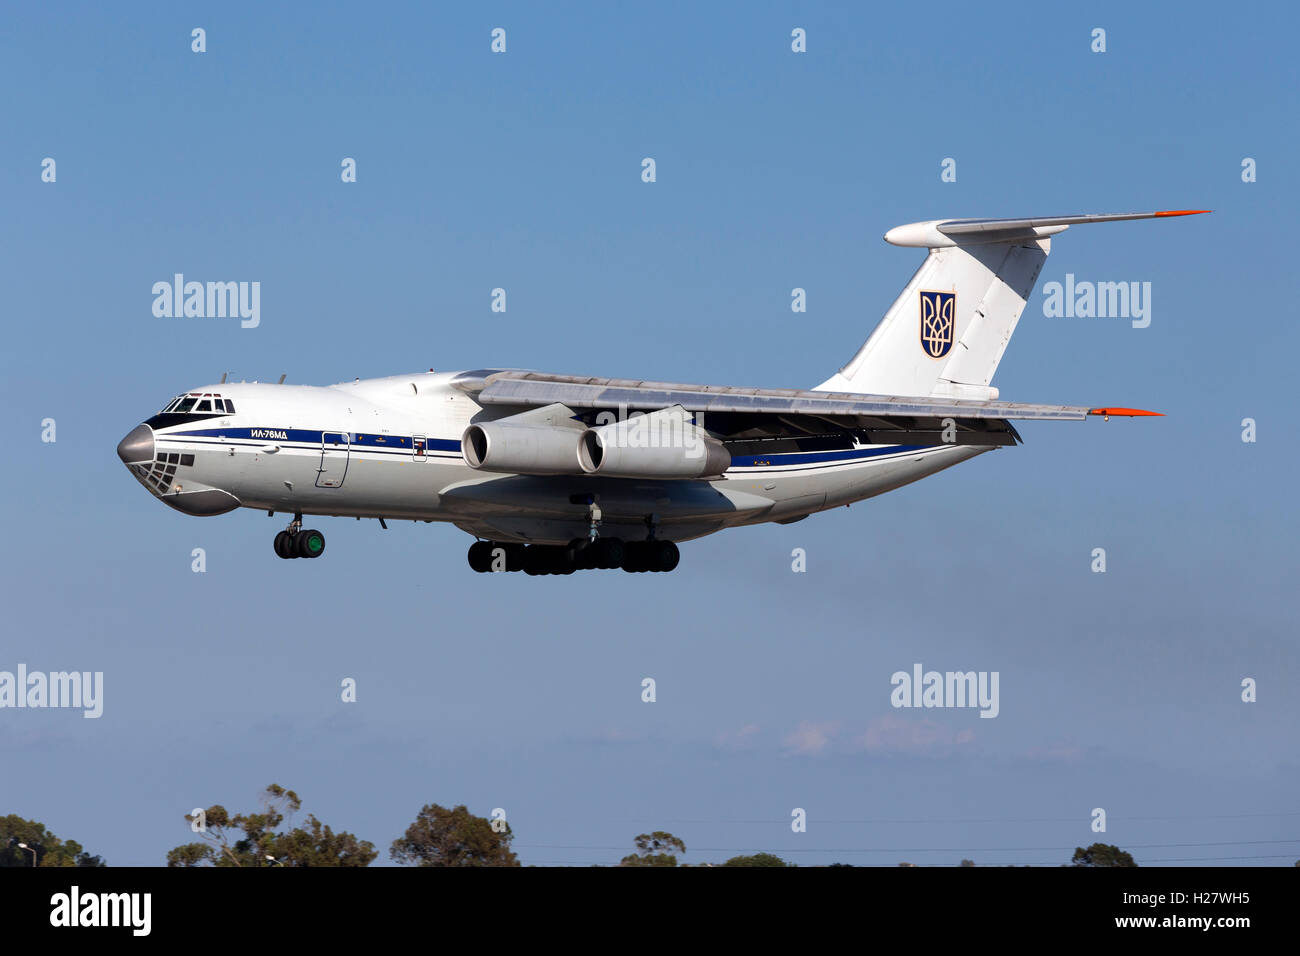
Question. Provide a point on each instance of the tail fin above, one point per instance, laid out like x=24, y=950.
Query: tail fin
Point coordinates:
x=946, y=332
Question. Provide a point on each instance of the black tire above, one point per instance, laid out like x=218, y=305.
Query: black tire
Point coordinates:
x=283, y=545
x=634, y=555
x=665, y=555
x=534, y=560
x=609, y=553
x=514, y=556
x=309, y=544
x=579, y=553
x=480, y=556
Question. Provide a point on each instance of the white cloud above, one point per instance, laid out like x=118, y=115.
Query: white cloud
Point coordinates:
x=810, y=738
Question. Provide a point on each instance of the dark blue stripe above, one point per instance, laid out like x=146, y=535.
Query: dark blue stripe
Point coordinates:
x=402, y=443
x=309, y=436
x=802, y=458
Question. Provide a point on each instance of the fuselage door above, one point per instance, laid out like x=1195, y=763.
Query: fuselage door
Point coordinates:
x=419, y=447
x=334, y=450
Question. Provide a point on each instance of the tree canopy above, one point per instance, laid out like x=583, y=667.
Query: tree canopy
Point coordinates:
x=455, y=837
x=757, y=859
x=657, y=849
x=1101, y=854
x=50, y=850
x=252, y=839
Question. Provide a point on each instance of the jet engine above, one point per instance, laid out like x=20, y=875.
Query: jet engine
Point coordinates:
x=543, y=441
x=663, y=444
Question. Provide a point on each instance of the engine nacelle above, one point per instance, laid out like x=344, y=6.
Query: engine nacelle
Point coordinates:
x=663, y=444
x=527, y=447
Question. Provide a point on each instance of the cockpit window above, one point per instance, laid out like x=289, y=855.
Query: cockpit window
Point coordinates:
x=197, y=403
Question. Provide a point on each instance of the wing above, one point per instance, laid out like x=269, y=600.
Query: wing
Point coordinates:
x=738, y=413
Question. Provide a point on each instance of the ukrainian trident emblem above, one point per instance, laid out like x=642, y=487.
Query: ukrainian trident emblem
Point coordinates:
x=937, y=314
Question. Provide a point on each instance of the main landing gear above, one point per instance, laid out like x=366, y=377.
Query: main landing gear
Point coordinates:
x=580, y=554
x=293, y=542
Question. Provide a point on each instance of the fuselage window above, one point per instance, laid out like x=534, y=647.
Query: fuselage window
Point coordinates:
x=230, y=407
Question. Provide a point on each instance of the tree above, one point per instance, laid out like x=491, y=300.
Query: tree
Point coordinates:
x=50, y=850
x=1101, y=854
x=758, y=859
x=256, y=841
x=967, y=862
x=442, y=837
x=657, y=849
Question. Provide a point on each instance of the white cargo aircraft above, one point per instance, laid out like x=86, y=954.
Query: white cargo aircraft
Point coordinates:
x=555, y=473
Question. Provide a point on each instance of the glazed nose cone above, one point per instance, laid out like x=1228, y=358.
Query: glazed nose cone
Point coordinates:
x=137, y=446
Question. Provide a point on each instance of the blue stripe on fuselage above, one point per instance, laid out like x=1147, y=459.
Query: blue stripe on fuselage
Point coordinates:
x=812, y=457
x=397, y=443
x=313, y=437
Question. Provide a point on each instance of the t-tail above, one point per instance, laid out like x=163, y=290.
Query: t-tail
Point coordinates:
x=946, y=332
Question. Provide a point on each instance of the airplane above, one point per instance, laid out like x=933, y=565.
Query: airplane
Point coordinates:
x=557, y=473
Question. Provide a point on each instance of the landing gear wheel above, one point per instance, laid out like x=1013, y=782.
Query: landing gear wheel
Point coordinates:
x=634, y=556
x=535, y=560
x=547, y=559
x=309, y=544
x=664, y=555
x=608, y=553
x=579, y=553
x=284, y=545
x=514, y=555
x=480, y=556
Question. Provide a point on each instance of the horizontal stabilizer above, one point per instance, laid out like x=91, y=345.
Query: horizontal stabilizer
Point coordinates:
x=940, y=233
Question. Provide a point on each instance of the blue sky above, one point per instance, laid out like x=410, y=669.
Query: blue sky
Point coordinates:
x=775, y=170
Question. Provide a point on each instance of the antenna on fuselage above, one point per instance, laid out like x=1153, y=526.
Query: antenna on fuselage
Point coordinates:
x=281, y=382
x=223, y=377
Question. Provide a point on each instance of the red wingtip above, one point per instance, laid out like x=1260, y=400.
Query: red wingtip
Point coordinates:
x=1129, y=412
x=1183, y=212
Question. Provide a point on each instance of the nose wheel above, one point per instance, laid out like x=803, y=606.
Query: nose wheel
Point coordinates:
x=294, y=542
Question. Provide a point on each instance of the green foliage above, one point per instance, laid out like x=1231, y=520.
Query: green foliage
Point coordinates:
x=657, y=849
x=1101, y=854
x=456, y=837
x=249, y=839
x=757, y=859
x=50, y=850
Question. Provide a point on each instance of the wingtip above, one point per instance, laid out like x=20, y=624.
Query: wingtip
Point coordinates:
x=1124, y=412
x=1183, y=212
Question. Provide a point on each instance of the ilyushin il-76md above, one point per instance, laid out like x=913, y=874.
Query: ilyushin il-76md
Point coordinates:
x=557, y=473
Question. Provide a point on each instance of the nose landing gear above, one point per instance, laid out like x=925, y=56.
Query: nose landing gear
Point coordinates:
x=293, y=542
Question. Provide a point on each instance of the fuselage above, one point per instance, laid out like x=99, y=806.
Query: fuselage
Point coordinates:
x=391, y=448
